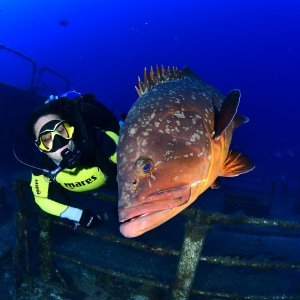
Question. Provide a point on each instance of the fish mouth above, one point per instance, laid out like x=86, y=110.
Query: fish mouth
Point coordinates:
x=157, y=208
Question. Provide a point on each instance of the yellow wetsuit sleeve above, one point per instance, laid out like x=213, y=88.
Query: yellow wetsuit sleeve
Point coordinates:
x=40, y=189
x=115, y=138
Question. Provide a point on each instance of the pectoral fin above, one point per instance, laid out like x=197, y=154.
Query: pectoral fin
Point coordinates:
x=236, y=164
x=227, y=112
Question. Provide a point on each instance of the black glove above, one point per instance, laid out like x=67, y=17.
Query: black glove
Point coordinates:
x=90, y=220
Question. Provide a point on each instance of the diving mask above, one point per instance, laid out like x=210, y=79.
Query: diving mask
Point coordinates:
x=54, y=135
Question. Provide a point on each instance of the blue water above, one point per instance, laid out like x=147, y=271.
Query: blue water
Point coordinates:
x=102, y=46
x=250, y=45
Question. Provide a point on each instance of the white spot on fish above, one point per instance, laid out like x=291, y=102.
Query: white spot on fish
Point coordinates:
x=194, y=137
x=132, y=131
x=167, y=129
x=179, y=115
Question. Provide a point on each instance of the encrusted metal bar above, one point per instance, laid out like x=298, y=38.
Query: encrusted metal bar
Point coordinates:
x=188, y=262
x=208, y=218
x=222, y=260
x=166, y=287
x=46, y=252
x=123, y=241
x=235, y=261
x=21, y=255
x=120, y=275
x=222, y=296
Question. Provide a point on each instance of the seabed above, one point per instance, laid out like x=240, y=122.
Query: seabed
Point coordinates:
x=200, y=254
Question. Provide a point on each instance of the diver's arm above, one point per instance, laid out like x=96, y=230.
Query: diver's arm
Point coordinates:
x=40, y=188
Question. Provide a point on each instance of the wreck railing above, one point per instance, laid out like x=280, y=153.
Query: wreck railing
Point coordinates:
x=31, y=61
x=53, y=72
x=196, y=229
x=35, y=72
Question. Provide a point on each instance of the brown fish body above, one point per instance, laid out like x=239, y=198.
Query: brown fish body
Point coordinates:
x=169, y=153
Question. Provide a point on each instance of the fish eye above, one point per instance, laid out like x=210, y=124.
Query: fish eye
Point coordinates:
x=144, y=165
x=147, y=166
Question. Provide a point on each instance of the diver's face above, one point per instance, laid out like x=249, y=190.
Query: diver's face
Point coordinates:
x=37, y=128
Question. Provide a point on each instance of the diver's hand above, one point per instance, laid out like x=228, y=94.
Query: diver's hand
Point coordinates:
x=90, y=220
x=73, y=225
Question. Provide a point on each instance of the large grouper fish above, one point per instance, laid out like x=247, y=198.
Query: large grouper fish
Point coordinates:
x=173, y=146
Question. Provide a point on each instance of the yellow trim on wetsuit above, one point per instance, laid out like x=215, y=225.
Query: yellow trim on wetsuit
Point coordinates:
x=40, y=187
x=115, y=138
x=81, y=179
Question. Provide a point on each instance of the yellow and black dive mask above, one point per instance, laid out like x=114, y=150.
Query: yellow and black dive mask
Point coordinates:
x=54, y=135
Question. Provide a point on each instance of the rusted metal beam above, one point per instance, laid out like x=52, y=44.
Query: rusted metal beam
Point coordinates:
x=46, y=249
x=222, y=260
x=207, y=218
x=166, y=287
x=119, y=275
x=188, y=262
x=122, y=241
x=235, y=261
x=21, y=260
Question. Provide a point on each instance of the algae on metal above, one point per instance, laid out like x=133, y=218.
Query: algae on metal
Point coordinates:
x=188, y=262
x=21, y=256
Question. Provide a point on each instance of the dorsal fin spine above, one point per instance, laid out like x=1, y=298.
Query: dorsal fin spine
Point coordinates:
x=158, y=76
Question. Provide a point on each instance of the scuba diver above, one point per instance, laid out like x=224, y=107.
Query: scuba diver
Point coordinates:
x=75, y=138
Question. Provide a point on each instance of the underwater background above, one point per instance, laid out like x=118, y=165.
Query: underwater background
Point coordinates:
x=103, y=46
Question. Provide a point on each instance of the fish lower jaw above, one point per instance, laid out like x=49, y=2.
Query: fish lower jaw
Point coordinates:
x=139, y=216
x=140, y=224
